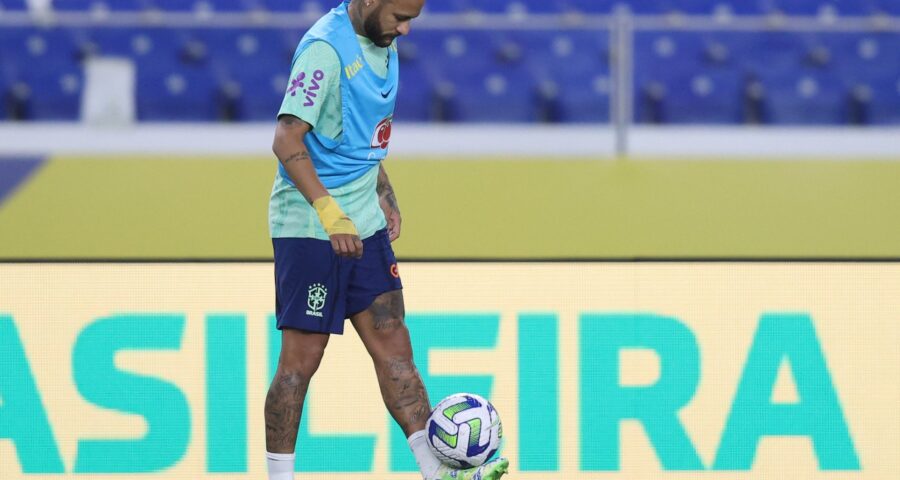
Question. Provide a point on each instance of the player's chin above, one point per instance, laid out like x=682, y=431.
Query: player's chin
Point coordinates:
x=385, y=42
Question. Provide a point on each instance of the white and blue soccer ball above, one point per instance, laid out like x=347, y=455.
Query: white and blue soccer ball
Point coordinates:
x=464, y=430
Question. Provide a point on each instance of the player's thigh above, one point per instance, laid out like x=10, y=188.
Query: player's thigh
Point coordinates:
x=382, y=327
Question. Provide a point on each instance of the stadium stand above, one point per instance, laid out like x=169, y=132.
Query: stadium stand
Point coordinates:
x=202, y=73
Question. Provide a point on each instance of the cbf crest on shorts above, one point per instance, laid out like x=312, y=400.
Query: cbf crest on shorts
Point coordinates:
x=315, y=299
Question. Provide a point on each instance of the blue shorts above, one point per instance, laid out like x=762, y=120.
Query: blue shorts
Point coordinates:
x=316, y=289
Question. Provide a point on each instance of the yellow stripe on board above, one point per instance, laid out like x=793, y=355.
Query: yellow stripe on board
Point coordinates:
x=214, y=207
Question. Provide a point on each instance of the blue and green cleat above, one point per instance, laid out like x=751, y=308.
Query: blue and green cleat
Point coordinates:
x=492, y=470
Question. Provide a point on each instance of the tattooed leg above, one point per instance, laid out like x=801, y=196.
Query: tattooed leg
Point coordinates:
x=301, y=353
x=383, y=332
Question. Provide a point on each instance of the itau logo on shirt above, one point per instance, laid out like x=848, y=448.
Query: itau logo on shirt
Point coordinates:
x=315, y=299
x=382, y=136
x=311, y=89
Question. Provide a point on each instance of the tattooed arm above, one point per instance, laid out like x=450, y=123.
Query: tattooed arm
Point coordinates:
x=292, y=153
x=388, y=201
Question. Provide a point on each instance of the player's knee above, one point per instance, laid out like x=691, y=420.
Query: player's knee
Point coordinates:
x=304, y=361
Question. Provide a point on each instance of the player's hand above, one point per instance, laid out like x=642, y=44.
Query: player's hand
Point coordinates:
x=392, y=215
x=347, y=245
x=340, y=229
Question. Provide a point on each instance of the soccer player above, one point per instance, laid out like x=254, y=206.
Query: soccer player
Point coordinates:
x=332, y=216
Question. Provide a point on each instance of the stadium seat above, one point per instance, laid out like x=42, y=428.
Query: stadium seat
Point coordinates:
x=859, y=56
x=55, y=91
x=296, y=6
x=154, y=45
x=13, y=5
x=118, y=42
x=571, y=70
x=498, y=93
x=261, y=94
x=108, y=5
x=27, y=45
x=5, y=100
x=659, y=54
x=793, y=98
x=582, y=97
x=890, y=7
x=204, y=5
x=775, y=51
x=884, y=103
x=478, y=76
x=711, y=97
x=819, y=7
x=165, y=94
x=416, y=94
x=446, y=6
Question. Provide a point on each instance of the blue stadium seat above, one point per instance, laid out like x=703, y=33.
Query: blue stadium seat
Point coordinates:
x=775, y=51
x=6, y=82
x=556, y=6
x=499, y=93
x=236, y=5
x=891, y=7
x=416, y=94
x=571, y=69
x=256, y=92
x=295, y=6
x=594, y=6
x=660, y=54
x=446, y=6
x=264, y=48
x=151, y=45
x=487, y=6
x=884, y=104
x=815, y=7
x=205, y=5
x=708, y=7
x=261, y=93
x=27, y=45
x=13, y=5
x=444, y=57
x=792, y=98
x=476, y=76
x=110, y=5
x=860, y=56
x=583, y=97
x=179, y=5
x=117, y=41
x=55, y=91
x=184, y=94
x=711, y=97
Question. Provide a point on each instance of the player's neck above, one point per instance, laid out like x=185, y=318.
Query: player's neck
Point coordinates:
x=356, y=17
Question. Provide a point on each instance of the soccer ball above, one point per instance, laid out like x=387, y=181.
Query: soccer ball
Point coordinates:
x=464, y=430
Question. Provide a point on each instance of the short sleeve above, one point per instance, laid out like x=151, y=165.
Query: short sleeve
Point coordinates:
x=315, y=78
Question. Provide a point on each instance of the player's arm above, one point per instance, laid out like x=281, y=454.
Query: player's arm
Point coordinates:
x=388, y=200
x=294, y=156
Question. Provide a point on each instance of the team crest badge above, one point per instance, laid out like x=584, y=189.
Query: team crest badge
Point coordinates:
x=315, y=299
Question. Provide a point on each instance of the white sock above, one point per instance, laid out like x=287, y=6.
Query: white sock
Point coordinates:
x=428, y=463
x=281, y=466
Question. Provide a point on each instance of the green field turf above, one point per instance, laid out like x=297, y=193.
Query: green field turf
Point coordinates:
x=142, y=207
